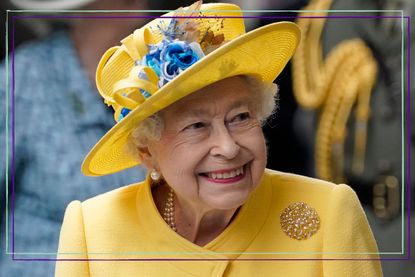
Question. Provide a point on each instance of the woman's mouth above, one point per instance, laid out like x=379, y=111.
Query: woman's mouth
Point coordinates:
x=225, y=176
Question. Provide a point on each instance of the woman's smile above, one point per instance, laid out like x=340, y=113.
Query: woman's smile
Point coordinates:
x=225, y=176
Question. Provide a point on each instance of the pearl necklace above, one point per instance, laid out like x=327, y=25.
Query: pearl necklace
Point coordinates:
x=168, y=214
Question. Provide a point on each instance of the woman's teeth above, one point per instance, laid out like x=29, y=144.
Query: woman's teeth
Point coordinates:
x=226, y=175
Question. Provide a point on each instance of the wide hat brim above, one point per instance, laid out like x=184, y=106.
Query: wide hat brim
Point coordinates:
x=263, y=52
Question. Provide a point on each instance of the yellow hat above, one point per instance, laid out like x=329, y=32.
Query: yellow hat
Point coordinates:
x=173, y=56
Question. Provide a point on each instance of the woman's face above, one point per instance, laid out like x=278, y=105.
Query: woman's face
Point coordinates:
x=212, y=150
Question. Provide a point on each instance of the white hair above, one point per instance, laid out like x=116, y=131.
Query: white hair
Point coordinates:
x=264, y=99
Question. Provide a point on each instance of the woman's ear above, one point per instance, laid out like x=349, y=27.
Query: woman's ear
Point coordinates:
x=146, y=157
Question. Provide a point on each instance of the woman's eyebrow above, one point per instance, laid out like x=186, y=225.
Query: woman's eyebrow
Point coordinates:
x=195, y=112
x=240, y=103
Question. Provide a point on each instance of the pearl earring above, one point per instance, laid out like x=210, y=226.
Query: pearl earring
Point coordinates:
x=155, y=175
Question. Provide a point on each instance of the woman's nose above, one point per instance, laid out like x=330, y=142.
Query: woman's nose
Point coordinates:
x=224, y=144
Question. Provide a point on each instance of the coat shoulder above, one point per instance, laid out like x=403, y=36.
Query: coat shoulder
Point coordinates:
x=321, y=195
x=298, y=184
x=117, y=195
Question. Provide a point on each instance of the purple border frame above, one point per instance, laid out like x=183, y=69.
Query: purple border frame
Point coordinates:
x=408, y=18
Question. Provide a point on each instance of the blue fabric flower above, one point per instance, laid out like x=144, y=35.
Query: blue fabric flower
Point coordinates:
x=152, y=59
x=123, y=113
x=168, y=58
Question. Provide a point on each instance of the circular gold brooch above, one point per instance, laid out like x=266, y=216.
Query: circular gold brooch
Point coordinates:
x=299, y=221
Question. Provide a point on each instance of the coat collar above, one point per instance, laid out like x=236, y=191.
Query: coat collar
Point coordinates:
x=230, y=244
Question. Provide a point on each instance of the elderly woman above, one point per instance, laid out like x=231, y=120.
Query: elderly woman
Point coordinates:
x=190, y=94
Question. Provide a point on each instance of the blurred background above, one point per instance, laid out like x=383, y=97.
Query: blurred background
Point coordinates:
x=339, y=116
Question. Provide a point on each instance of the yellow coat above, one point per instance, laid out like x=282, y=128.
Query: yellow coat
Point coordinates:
x=125, y=224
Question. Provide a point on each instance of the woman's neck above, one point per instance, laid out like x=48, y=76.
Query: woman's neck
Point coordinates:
x=200, y=225
x=195, y=223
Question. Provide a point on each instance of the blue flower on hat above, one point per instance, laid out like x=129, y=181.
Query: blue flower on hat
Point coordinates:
x=152, y=59
x=123, y=113
x=170, y=57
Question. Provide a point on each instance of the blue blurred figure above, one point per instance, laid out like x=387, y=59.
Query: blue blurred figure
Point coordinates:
x=58, y=116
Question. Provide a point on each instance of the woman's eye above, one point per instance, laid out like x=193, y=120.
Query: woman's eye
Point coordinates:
x=196, y=125
x=241, y=117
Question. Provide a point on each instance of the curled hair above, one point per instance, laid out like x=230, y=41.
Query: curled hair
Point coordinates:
x=264, y=100
x=265, y=97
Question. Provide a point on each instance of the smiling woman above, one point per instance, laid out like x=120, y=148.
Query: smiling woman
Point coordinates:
x=216, y=131
x=190, y=95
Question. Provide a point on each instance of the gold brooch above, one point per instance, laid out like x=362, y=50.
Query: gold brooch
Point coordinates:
x=299, y=221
